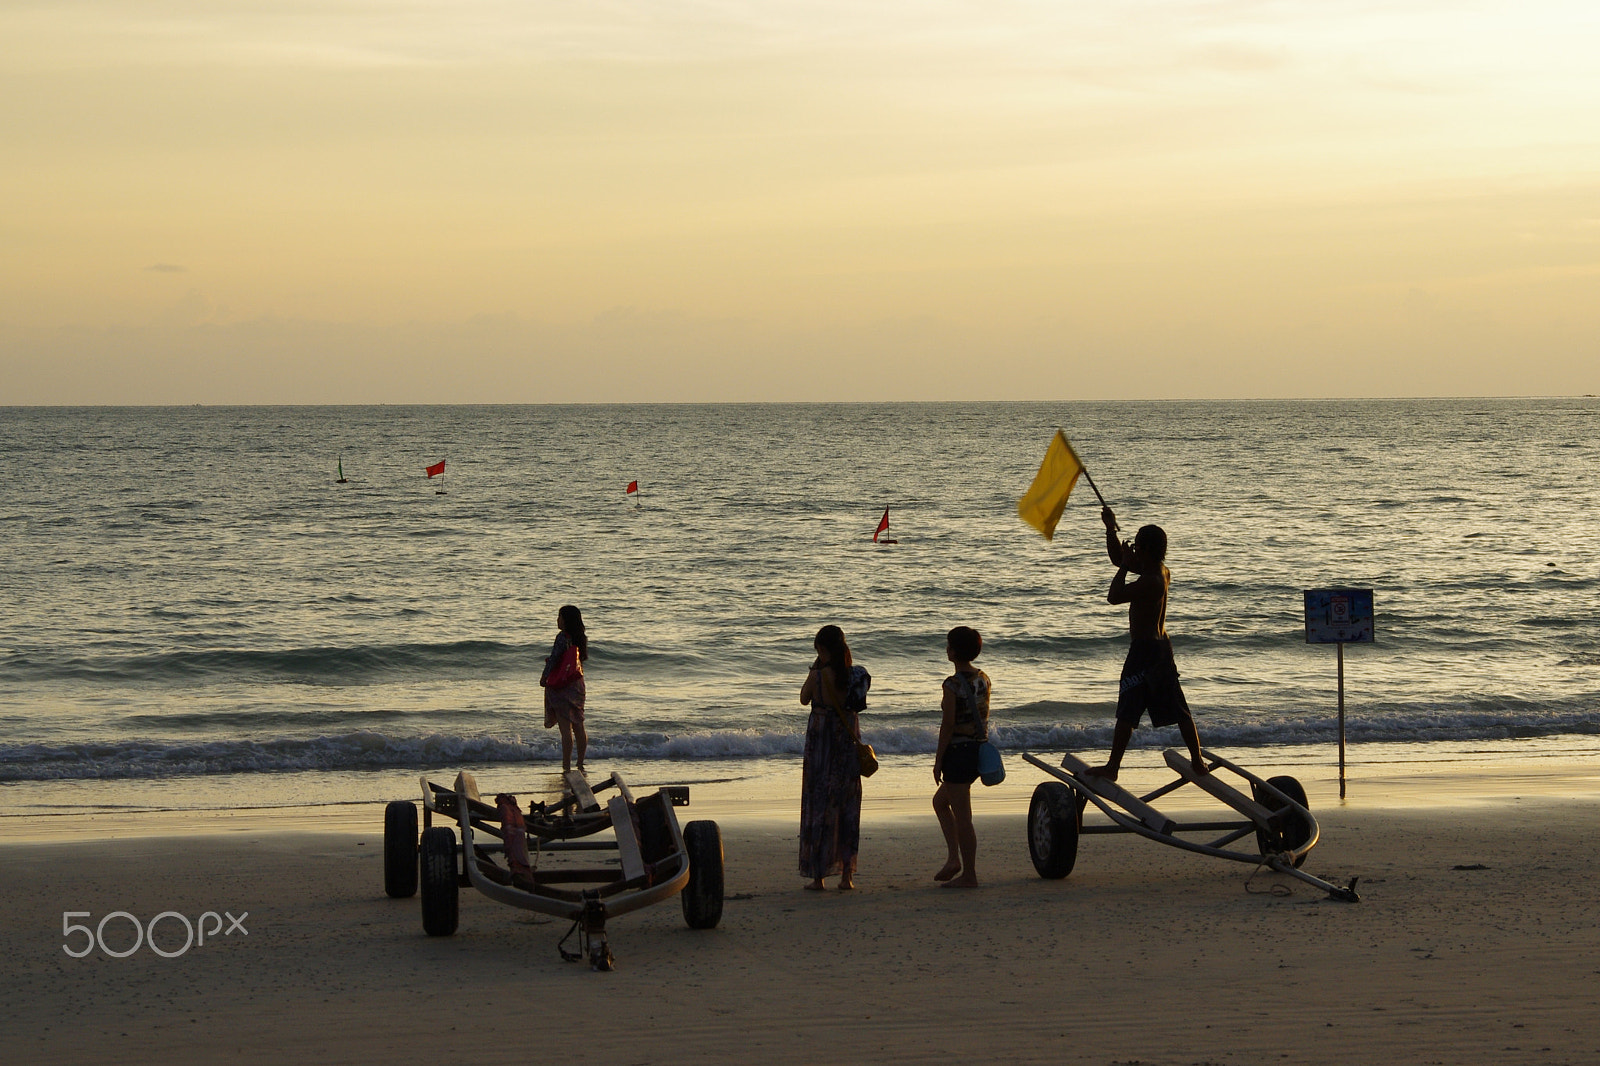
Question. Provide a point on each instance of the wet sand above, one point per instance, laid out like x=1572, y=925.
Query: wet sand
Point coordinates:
x=1477, y=941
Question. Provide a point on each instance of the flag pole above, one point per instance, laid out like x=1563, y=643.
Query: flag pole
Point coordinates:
x=1086, y=475
x=1090, y=480
x=1097, y=495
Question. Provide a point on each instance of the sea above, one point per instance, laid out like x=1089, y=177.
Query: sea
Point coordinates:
x=194, y=610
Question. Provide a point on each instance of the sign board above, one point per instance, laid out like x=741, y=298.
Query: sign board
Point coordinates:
x=1339, y=616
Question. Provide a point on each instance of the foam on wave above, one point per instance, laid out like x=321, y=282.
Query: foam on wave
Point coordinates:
x=361, y=750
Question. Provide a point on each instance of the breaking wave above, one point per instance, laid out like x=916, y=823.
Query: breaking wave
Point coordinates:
x=371, y=750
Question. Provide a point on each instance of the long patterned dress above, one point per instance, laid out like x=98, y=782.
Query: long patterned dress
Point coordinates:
x=830, y=790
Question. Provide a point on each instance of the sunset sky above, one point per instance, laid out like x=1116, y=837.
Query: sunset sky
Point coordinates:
x=353, y=201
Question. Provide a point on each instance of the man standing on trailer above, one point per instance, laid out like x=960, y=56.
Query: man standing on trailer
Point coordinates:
x=1150, y=674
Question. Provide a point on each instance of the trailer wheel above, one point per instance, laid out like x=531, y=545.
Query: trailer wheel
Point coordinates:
x=702, y=896
x=1053, y=818
x=400, y=849
x=1297, y=832
x=441, y=889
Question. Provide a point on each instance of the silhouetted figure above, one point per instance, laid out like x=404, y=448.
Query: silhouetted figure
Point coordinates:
x=1150, y=674
x=830, y=782
x=564, y=689
x=962, y=731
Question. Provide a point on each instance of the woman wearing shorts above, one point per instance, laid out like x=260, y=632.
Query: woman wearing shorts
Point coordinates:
x=955, y=767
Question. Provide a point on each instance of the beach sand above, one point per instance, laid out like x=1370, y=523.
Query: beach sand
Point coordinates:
x=1144, y=954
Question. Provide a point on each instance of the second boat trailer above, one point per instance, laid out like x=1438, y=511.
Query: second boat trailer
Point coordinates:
x=1276, y=815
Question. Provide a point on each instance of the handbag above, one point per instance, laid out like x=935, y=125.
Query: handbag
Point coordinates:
x=866, y=758
x=566, y=671
x=991, y=771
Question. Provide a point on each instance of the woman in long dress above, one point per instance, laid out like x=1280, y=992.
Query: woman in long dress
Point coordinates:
x=830, y=791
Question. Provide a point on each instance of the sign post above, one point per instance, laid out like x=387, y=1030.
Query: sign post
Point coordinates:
x=1339, y=617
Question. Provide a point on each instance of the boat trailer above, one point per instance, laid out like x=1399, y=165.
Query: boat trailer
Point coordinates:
x=1275, y=813
x=514, y=857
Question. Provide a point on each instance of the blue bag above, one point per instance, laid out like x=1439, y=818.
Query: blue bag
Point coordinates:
x=991, y=771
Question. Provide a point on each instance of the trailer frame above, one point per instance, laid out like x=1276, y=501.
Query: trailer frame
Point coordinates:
x=656, y=858
x=1275, y=813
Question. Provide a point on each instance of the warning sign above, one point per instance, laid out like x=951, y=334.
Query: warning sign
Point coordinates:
x=1339, y=616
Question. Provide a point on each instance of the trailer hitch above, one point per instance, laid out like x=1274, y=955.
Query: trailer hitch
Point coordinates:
x=1347, y=894
x=592, y=942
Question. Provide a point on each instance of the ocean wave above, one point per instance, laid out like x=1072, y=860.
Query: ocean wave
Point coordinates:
x=1018, y=647
x=370, y=750
x=361, y=664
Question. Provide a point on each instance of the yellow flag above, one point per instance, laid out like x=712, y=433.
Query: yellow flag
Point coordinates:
x=1046, y=498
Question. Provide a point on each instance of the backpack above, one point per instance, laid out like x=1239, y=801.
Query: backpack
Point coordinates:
x=855, y=697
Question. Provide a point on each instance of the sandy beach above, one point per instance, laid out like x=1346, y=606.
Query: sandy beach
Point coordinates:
x=1476, y=941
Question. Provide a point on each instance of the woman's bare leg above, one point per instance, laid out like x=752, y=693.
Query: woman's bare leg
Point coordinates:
x=582, y=736
x=566, y=744
x=966, y=837
x=947, y=825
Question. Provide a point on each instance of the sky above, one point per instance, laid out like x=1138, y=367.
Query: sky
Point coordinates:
x=531, y=201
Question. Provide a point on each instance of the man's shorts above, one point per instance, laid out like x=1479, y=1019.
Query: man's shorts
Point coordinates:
x=1150, y=683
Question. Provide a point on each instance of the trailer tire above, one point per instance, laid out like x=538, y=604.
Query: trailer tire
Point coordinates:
x=1297, y=832
x=441, y=889
x=400, y=849
x=702, y=896
x=1053, y=824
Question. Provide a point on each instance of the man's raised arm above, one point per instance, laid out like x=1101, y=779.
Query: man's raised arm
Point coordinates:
x=1113, y=545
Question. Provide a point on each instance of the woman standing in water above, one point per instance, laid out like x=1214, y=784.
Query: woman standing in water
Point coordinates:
x=830, y=790
x=562, y=680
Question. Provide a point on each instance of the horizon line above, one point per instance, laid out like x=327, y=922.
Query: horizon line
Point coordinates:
x=805, y=403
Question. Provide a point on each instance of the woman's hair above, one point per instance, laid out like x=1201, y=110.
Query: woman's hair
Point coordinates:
x=831, y=640
x=572, y=624
x=965, y=643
